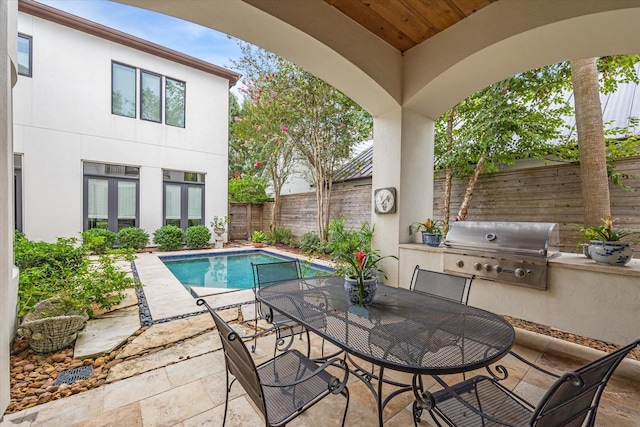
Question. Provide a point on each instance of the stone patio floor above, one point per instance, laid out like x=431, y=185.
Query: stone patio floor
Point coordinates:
x=173, y=374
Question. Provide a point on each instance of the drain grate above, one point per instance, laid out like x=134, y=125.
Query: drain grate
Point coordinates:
x=72, y=375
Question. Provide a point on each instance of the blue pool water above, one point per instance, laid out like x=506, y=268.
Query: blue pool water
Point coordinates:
x=231, y=270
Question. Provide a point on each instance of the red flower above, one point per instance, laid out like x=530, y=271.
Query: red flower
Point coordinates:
x=361, y=256
x=284, y=129
x=258, y=163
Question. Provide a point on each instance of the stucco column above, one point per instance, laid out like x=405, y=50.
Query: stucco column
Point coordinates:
x=8, y=281
x=402, y=158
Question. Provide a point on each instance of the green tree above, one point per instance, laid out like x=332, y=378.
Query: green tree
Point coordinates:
x=291, y=116
x=514, y=118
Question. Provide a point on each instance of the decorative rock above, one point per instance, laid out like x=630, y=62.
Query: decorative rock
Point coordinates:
x=59, y=357
x=98, y=362
x=29, y=367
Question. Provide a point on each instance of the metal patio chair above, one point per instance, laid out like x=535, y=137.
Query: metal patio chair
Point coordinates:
x=264, y=275
x=444, y=285
x=571, y=401
x=283, y=387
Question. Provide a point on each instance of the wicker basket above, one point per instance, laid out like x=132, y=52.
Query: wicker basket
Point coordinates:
x=48, y=334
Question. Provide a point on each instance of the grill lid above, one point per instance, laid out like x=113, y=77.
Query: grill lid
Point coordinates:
x=526, y=238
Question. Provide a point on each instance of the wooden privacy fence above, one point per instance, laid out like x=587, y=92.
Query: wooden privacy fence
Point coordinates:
x=541, y=194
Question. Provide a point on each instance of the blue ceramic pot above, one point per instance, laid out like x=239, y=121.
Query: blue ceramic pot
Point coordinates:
x=351, y=288
x=611, y=253
x=431, y=239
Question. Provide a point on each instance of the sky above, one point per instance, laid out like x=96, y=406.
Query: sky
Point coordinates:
x=182, y=36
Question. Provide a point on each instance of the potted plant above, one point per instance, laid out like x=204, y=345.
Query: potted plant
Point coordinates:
x=258, y=239
x=432, y=231
x=606, y=247
x=219, y=224
x=355, y=259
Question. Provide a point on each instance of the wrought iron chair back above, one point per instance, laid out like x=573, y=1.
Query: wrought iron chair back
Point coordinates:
x=268, y=273
x=572, y=400
x=281, y=388
x=444, y=285
x=575, y=396
x=271, y=272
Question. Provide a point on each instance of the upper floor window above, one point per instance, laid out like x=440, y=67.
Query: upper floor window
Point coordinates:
x=24, y=55
x=124, y=95
x=150, y=98
x=123, y=90
x=174, y=102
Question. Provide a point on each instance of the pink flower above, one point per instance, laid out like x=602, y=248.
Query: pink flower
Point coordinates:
x=258, y=163
x=258, y=127
x=284, y=129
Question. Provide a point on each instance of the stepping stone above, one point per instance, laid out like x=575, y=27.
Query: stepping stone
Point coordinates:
x=103, y=335
x=162, y=334
x=193, y=347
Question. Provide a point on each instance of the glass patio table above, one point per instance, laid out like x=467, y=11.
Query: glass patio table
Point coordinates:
x=402, y=330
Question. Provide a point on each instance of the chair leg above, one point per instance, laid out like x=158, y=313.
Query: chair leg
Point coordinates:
x=345, y=393
x=308, y=342
x=226, y=400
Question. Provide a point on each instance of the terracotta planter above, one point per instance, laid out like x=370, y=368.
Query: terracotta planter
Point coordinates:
x=353, y=293
x=610, y=253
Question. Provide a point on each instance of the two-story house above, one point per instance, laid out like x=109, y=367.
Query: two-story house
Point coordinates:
x=113, y=131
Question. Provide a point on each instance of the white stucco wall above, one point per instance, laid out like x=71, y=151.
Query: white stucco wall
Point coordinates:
x=8, y=274
x=63, y=117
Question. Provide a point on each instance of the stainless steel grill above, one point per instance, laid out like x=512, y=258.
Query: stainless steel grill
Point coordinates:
x=510, y=252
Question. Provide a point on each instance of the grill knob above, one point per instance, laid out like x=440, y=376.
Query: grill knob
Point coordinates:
x=459, y=263
x=487, y=267
x=497, y=269
x=519, y=272
x=477, y=266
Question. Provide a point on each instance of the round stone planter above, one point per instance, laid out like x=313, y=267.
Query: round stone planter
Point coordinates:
x=610, y=253
x=353, y=293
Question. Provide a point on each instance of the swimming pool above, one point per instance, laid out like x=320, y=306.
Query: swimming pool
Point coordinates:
x=228, y=270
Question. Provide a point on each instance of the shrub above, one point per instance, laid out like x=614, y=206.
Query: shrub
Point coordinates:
x=282, y=235
x=258, y=236
x=133, y=238
x=168, y=238
x=310, y=243
x=65, y=253
x=198, y=237
x=63, y=270
x=99, y=240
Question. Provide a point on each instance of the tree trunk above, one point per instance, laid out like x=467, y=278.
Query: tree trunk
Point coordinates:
x=448, y=171
x=591, y=145
x=464, y=207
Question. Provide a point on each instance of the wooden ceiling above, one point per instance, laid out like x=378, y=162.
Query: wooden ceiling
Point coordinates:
x=406, y=23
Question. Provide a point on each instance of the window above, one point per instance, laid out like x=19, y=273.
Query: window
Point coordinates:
x=123, y=90
x=17, y=191
x=183, y=198
x=174, y=95
x=110, y=196
x=24, y=55
x=124, y=95
x=150, y=98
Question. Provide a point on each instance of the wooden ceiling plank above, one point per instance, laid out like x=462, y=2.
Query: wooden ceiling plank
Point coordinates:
x=401, y=15
x=441, y=14
x=469, y=7
x=360, y=12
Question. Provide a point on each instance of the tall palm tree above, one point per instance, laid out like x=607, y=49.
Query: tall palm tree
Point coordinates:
x=591, y=145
